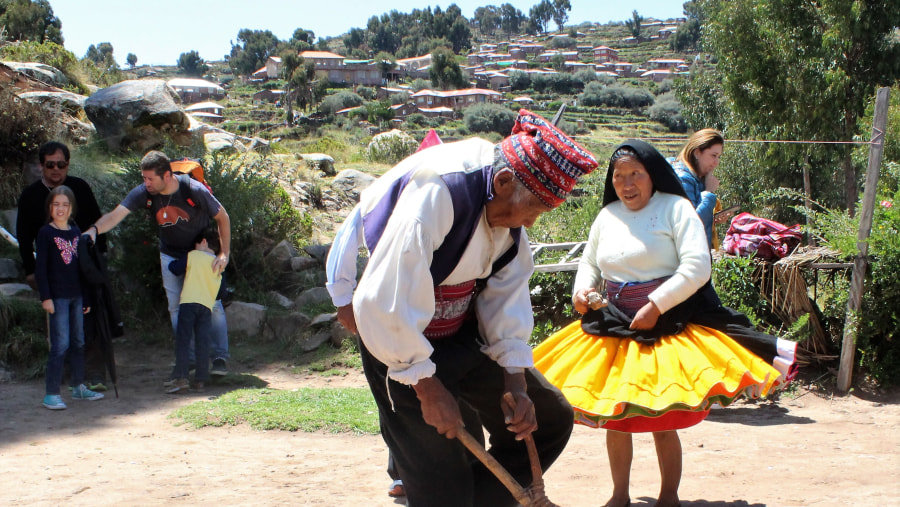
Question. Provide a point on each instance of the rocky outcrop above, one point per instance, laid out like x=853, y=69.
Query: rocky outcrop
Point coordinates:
x=218, y=139
x=40, y=72
x=320, y=162
x=138, y=115
x=71, y=103
x=350, y=182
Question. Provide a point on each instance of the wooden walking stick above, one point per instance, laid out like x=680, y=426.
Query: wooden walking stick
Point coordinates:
x=533, y=496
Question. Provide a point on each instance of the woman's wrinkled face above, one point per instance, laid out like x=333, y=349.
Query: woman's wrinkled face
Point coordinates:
x=632, y=183
x=707, y=160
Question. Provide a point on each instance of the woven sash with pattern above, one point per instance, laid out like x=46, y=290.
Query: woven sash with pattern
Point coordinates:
x=451, y=307
x=631, y=296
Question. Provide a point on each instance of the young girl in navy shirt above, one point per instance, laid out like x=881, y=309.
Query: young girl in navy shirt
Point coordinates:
x=58, y=279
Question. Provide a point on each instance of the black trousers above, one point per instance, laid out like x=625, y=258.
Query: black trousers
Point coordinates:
x=440, y=472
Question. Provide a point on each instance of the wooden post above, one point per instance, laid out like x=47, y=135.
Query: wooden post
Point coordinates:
x=807, y=197
x=851, y=318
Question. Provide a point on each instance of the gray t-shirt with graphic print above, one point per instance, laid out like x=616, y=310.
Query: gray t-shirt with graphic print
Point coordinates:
x=179, y=223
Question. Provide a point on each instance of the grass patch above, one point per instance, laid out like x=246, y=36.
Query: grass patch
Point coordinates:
x=347, y=410
x=331, y=362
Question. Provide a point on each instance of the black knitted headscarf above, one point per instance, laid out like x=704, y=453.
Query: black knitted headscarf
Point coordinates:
x=661, y=173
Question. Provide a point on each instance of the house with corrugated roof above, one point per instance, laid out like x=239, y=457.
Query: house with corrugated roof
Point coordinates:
x=456, y=100
x=605, y=54
x=196, y=90
x=343, y=71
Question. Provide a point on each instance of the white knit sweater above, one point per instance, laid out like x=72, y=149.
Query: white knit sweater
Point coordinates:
x=663, y=238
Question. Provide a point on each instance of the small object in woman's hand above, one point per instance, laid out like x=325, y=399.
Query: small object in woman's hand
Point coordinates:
x=596, y=301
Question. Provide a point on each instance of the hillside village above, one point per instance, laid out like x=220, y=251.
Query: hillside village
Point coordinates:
x=488, y=69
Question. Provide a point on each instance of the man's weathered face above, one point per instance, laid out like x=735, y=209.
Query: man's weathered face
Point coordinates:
x=54, y=169
x=513, y=205
x=154, y=183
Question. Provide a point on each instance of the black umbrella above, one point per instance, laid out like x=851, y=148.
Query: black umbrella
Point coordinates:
x=107, y=318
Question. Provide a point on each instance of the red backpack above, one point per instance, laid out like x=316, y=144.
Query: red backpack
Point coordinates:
x=767, y=239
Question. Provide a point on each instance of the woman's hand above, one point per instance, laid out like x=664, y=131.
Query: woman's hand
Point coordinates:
x=580, y=300
x=646, y=317
x=711, y=183
x=47, y=305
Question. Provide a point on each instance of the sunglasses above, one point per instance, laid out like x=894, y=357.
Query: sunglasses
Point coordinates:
x=53, y=164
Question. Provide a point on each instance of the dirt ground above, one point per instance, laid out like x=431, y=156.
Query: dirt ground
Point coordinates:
x=814, y=450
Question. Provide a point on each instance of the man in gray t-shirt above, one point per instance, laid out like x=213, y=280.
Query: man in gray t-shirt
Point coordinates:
x=180, y=214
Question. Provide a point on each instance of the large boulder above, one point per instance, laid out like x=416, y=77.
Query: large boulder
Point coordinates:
x=312, y=297
x=350, y=182
x=245, y=318
x=138, y=115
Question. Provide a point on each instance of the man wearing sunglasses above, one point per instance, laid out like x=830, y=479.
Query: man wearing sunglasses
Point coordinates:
x=32, y=215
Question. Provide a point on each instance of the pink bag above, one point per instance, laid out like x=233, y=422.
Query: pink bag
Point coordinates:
x=767, y=239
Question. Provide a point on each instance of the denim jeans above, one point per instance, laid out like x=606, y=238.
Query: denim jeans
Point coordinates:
x=66, y=332
x=218, y=338
x=194, y=325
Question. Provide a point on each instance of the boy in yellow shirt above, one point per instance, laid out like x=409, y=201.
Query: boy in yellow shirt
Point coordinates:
x=198, y=295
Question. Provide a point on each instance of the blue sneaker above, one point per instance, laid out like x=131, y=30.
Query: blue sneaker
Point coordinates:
x=54, y=402
x=83, y=393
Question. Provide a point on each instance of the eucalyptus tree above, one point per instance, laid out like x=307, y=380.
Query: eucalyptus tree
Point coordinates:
x=800, y=70
x=561, y=10
x=634, y=25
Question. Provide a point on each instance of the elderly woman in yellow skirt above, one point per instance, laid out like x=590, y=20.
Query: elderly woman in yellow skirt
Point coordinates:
x=650, y=354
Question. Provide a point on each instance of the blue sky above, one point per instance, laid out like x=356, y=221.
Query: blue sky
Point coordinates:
x=160, y=30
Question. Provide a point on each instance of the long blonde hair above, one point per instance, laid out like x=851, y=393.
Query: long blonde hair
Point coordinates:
x=701, y=140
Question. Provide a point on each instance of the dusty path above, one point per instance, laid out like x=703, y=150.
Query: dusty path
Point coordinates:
x=813, y=451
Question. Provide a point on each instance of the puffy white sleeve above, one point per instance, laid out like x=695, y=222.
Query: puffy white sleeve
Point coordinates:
x=340, y=267
x=395, y=299
x=504, y=312
x=694, y=262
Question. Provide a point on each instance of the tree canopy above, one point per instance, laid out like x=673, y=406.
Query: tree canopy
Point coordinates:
x=191, y=64
x=254, y=47
x=799, y=70
x=445, y=73
x=31, y=20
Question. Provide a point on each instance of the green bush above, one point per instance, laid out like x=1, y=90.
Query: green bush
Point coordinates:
x=338, y=101
x=733, y=279
x=23, y=324
x=879, y=315
x=596, y=94
x=24, y=127
x=519, y=80
x=489, y=118
x=667, y=110
x=391, y=147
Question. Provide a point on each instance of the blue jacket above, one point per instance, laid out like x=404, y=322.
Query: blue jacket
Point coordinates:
x=704, y=202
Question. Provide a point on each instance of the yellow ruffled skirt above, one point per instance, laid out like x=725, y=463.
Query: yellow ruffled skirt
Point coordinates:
x=621, y=384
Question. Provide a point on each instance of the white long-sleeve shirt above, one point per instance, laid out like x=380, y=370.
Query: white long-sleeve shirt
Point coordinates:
x=394, y=301
x=663, y=238
x=340, y=266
